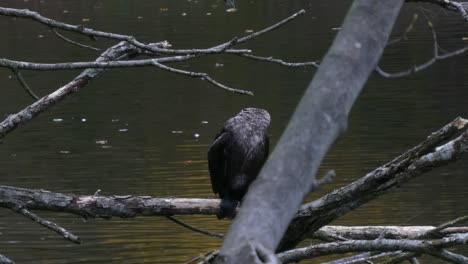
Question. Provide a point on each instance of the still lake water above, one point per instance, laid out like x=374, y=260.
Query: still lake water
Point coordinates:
x=117, y=134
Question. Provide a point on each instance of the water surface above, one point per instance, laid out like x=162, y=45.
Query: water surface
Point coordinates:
x=117, y=134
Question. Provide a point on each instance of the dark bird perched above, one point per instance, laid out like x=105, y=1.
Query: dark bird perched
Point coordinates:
x=236, y=156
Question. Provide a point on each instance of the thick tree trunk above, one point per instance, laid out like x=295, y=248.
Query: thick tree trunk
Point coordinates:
x=319, y=119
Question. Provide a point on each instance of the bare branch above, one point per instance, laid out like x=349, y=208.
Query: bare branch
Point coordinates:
x=451, y=257
x=97, y=206
x=417, y=68
x=412, y=163
x=327, y=178
x=449, y=5
x=12, y=121
x=431, y=232
x=405, y=33
x=364, y=257
x=223, y=48
x=205, y=258
x=270, y=28
x=73, y=42
x=427, y=247
x=24, y=84
x=281, y=62
x=201, y=75
x=389, y=232
x=120, y=64
x=447, y=225
x=90, y=65
x=50, y=225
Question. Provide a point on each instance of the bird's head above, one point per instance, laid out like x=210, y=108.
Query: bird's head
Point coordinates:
x=257, y=114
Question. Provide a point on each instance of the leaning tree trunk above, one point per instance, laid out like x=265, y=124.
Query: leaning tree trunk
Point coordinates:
x=319, y=119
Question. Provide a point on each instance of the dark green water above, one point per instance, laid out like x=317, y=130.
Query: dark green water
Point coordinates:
x=135, y=111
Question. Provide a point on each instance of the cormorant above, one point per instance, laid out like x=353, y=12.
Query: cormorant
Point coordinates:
x=236, y=156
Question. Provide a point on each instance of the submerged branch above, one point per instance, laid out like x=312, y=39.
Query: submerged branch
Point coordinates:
x=429, y=154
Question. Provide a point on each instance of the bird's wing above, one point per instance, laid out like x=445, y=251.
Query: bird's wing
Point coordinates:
x=255, y=159
x=217, y=162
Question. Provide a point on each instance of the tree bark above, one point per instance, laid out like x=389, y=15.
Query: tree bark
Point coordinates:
x=319, y=119
x=104, y=206
x=389, y=232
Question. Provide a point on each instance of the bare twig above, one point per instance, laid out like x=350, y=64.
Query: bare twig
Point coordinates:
x=327, y=178
x=223, y=48
x=24, y=84
x=201, y=75
x=449, y=5
x=195, y=229
x=281, y=62
x=50, y=225
x=405, y=33
x=417, y=68
x=270, y=28
x=72, y=41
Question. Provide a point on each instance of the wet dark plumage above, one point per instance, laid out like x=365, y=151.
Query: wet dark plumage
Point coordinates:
x=236, y=156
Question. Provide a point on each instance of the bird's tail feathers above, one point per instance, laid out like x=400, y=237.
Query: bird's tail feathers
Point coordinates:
x=227, y=208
